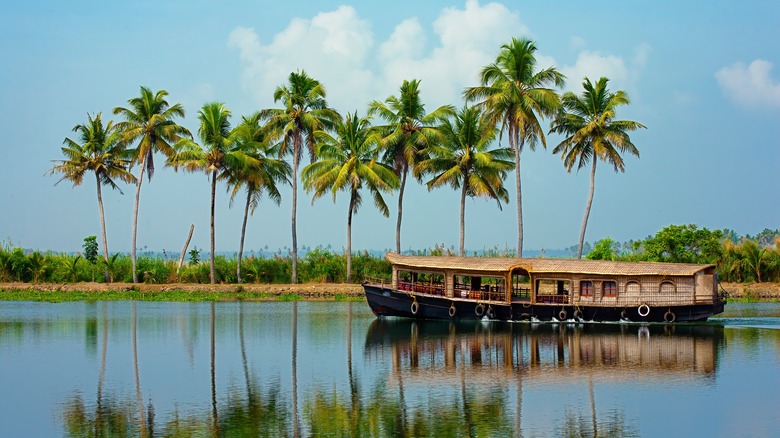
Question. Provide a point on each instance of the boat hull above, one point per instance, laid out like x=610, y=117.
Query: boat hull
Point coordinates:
x=385, y=301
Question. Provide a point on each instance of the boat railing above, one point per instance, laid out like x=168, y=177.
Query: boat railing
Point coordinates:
x=379, y=281
x=552, y=298
x=421, y=288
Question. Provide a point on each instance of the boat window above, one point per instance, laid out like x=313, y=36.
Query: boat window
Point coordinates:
x=480, y=287
x=667, y=287
x=610, y=288
x=586, y=288
x=421, y=282
x=632, y=287
x=552, y=291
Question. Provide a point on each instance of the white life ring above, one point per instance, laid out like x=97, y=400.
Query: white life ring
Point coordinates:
x=646, y=310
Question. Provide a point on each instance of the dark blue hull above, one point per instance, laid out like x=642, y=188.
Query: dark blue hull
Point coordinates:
x=385, y=301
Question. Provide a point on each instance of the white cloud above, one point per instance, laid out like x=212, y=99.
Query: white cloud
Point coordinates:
x=594, y=64
x=750, y=85
x=338, y=48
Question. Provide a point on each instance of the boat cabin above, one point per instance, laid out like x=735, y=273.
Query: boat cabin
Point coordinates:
x=555, y=281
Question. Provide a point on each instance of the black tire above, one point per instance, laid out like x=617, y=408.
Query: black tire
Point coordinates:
x=669, y=316
x=480, y=309
x=562, y=315
x=491, y=314
x=452, y=310
x=577, y=314
x=415, y=308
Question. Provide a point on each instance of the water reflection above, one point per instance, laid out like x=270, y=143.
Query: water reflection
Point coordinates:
x=332, y=369
x=432, y=350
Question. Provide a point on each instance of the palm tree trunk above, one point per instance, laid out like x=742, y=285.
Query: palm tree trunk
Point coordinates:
x=243, y=233
x=349, y=234
x=296, y=160
x=518, y=148
x=135, y=218
x=102, y=224
x=587, y=206
x=213, y=197
x=463, y=215
x=400, y=209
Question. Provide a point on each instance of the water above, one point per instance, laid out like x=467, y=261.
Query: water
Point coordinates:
x=332, y=369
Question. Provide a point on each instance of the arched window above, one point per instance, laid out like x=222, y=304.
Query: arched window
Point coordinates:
x=667, y=287
x=632, y=287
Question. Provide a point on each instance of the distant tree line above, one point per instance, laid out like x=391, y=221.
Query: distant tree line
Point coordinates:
x=746, y=259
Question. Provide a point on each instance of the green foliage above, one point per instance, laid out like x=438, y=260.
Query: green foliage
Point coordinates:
x=323, y=266
x=194, y=256
x=603, y=250
x=91, y=249
x=684, y=244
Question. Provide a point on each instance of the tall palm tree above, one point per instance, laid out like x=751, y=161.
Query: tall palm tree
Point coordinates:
x=100, y=151
x=592, y=133
x=409, y=130
x=348, y=161
x=263, y=176
x=515, y=97
x=464, y=162
x=216, y=155
x=305, y=111
x=149, y=120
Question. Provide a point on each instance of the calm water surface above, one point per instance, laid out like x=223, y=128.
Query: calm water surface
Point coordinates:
x=332, y=369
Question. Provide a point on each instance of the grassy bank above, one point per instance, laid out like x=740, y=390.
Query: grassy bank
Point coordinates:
x=51, y=292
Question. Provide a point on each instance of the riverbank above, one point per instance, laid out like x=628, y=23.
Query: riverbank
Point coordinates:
x=179, y=291
x=254, y=292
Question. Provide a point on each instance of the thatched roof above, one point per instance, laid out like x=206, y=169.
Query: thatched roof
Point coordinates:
x=498, y=265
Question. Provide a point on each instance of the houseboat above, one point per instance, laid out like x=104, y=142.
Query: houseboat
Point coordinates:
x=517, y=289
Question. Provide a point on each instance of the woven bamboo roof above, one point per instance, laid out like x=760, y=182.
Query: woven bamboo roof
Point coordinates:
x=497, y=265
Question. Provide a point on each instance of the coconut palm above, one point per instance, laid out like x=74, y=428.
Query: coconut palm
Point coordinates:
x=99, y=149
x=216, y=155
x=262, y=176
x=348, y=161
x=592, y=133
x=409, y=130
x=150, y=121
x=515, y=97
x=464, y=161
x=305, y=111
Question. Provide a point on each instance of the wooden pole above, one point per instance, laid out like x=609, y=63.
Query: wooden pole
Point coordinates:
x=184, y=251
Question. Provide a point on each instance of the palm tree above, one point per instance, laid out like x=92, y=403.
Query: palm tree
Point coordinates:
x=216, y=155
x=464, y=162
x=349, y=162
x=305, y=111
x=150, y=120
x=409, y=130
x=249, y=136
x=592, y=133
x=100, y=151
x=515, y=97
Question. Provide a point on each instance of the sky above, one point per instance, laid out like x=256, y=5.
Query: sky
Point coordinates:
x=703, y=78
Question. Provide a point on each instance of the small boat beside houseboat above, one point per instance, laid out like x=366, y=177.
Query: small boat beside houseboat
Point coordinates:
x=516, y=289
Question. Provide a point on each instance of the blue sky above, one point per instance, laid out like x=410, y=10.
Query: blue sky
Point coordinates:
x=703, y=78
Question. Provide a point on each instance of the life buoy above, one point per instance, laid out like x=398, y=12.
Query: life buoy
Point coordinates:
x=452, y=310
x=669, y=316
x=491, y=313
x=577, y=314
x=415, y=307
x=480, y=309
x=562, y=315
x=645, y=312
